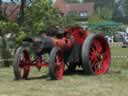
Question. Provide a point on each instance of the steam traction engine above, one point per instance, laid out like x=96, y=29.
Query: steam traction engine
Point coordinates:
x=72, y=47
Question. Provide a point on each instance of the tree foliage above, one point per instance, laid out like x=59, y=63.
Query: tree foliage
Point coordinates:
x=104, y=8
x=40, y=15
x=126, y=7
x=95, y=19
x=8, y=27
x=34, y=18
x=7, y=33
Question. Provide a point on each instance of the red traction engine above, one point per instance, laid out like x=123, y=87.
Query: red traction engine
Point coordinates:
x=74, y=48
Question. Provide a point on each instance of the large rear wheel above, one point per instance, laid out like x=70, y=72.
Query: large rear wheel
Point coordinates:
x=56, y=64
x=21, y=65
x=95, y=54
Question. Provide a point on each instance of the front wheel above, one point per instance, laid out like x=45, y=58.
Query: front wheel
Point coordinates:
x=56, y=64
x=95, y=55
x=21, y=64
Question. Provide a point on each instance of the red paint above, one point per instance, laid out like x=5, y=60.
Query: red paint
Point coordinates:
x=99, y=56
x=59, y=66
x=62, y=42
x=79, y=34
x=24, y=66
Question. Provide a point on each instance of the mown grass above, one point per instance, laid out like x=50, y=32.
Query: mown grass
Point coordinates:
x=119, y=51
x=114, y=83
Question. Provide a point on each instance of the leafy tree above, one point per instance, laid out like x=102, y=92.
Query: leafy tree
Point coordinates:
x=23, y=2
x=120, y=12
x=1, y=14
x=95, y=19
x=104, y=8
x=34, y=18
x=0, y=8
x=40, y=16
x=126, y=6
x=7, y=28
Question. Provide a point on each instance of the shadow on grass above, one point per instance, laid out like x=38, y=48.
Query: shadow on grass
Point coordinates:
x=82, y=73
x=75, y=72
x=69, y=73
x=78, y=72
x=41, y=77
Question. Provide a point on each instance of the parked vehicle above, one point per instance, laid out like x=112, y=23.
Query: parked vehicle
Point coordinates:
x=125, y=39
x=72, y=47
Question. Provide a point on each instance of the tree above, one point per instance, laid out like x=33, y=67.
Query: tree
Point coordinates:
x=95, y=19
x=120, y=12
x=1, y=15
x=23, y=2
x=34, y=18
x=6, y=28
x=40, y=16
x=0, y=7
x=104, y=8
x=126, y=6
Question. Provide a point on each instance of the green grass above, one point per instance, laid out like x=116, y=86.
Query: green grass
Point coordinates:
x=118, y=51
x=114, y=83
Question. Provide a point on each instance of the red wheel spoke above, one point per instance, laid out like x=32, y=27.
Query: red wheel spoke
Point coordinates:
x=97, y=45
x=21, y=64
x=59, y=65
x=93, y=66
x=93, y=49
x=97, y=57
x=92, y=58
x=93, y=63
x=24, y=65
x=92, y=54
x=59, y=72
x=57, y=61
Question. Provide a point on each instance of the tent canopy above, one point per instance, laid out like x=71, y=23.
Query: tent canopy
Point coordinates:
x=104, y=24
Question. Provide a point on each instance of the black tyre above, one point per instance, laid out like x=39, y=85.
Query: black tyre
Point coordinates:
x=95, y=55
x=21, y=66
x=56, y=64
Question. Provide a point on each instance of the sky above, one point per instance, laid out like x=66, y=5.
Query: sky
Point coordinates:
x=8, y=0
x=5, y=0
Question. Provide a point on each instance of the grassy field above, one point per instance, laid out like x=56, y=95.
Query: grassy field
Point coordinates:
x=114, y=83
x=118, y=51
